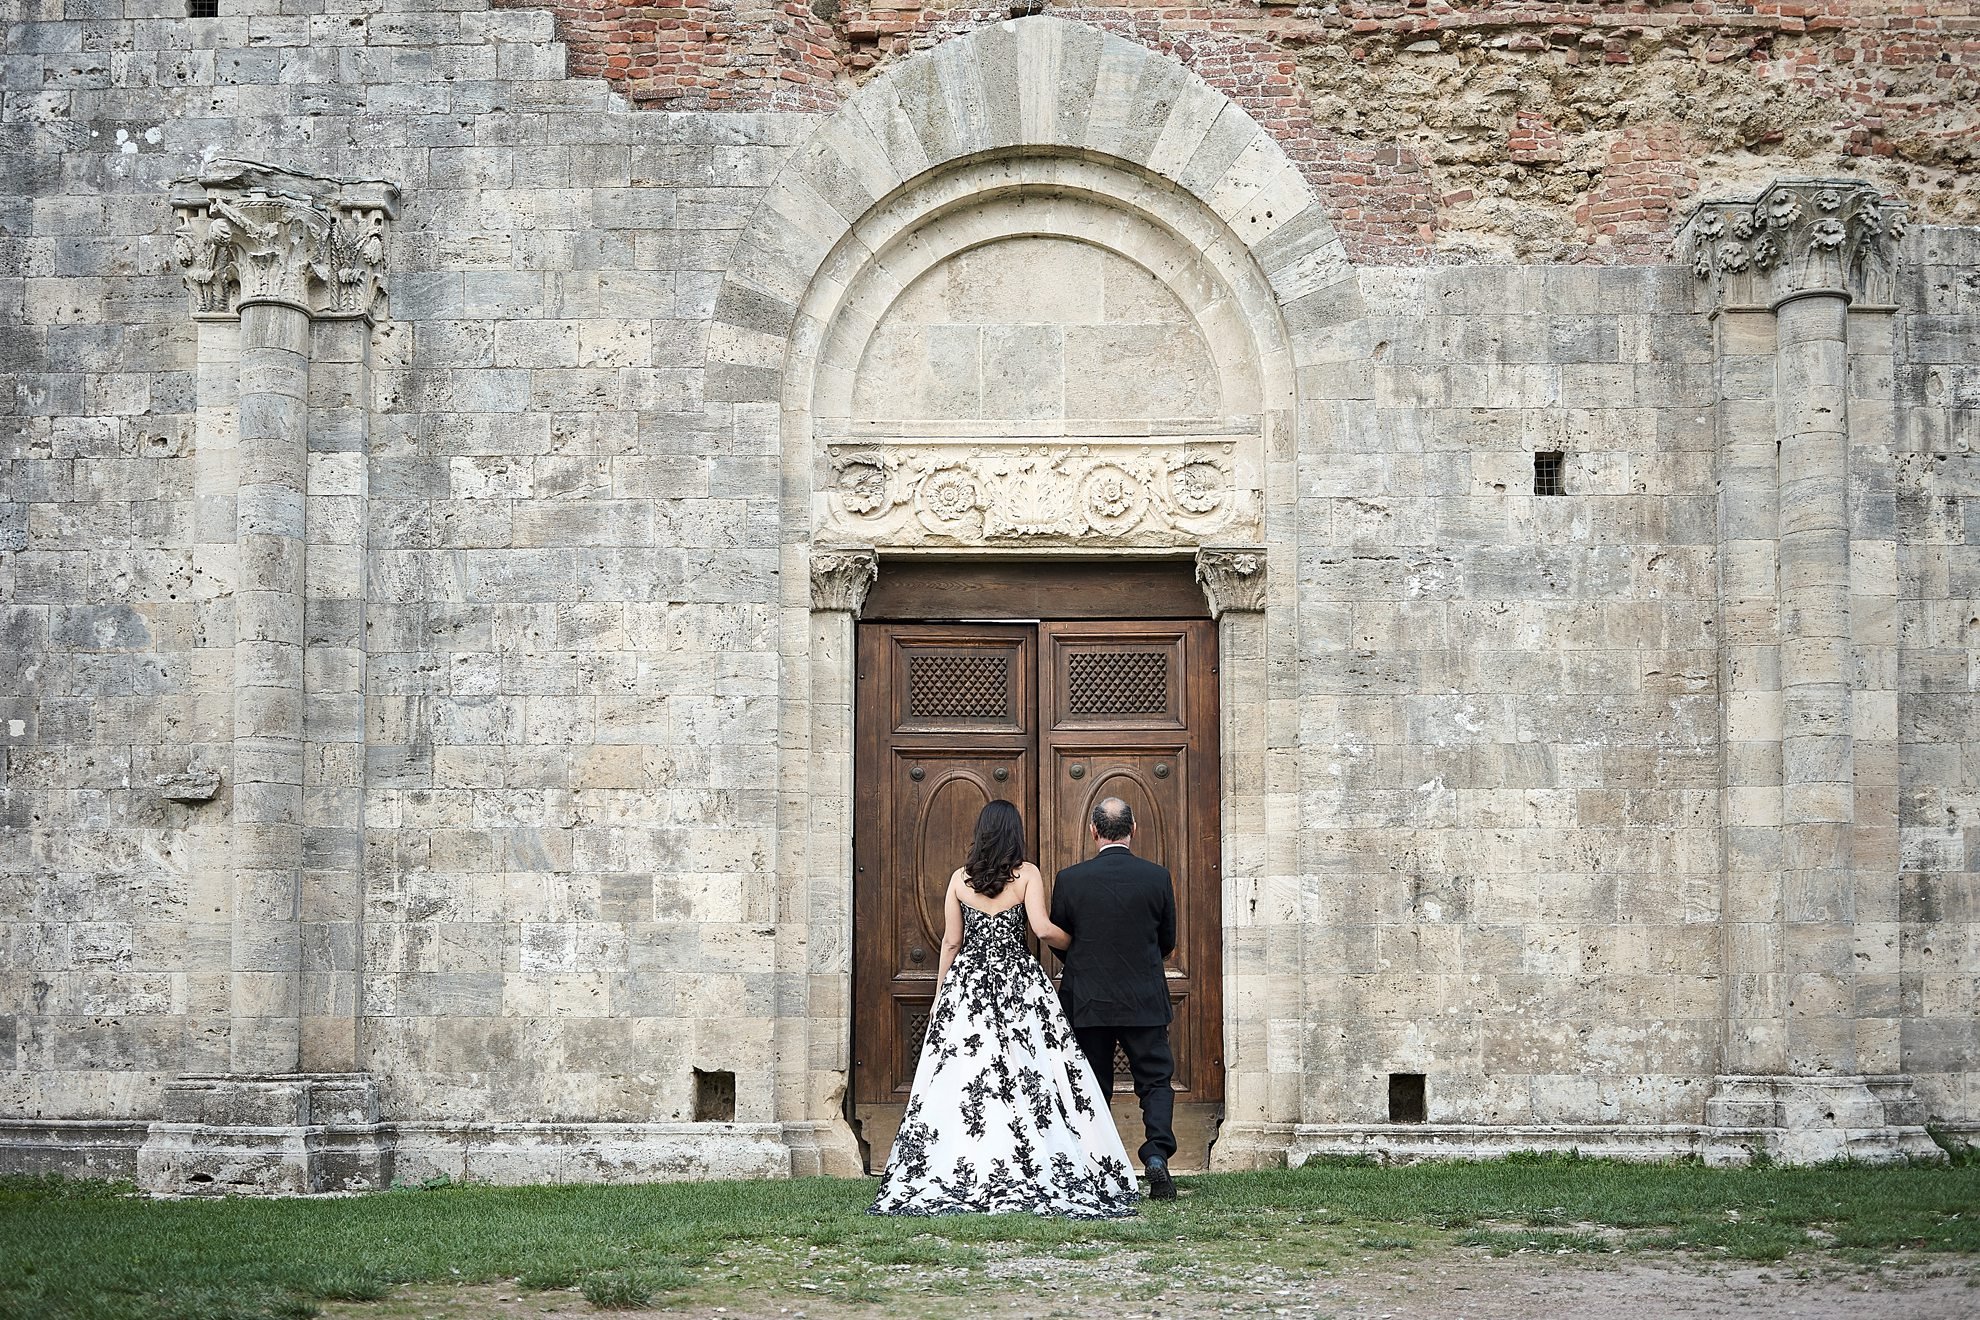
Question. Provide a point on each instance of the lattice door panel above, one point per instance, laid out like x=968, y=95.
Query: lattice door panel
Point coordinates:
x=963, y=682
x=959, y=687
x=1102, y=681
x=914, y=1034
x=1117, y=683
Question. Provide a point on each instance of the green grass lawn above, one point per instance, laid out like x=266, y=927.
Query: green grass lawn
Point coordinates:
x=71, y=1249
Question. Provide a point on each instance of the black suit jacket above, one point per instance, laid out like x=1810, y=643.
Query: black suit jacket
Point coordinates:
x=1121, y=913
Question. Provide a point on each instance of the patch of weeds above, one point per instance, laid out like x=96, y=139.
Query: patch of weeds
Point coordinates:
x=862, y=1291
x=1162, y=1262
x=1387, y=1244
x=1766, y=1242
x=54, y=1187
x=439, y=1182
x=1959, y=1154
x=1743, y=1241
x=545, y=1278
x=627, y=1290
x=353, y=1288
x=1215, y=1230
x=615, y=1291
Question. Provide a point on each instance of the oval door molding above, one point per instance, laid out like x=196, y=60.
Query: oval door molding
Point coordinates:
x=1152, y=828
x=930, y=881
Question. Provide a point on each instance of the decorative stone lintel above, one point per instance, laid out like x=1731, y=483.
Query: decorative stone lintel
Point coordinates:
x=1151, y=490
x=1798, y=237
x=1232, y=578
x=251, y=233
x=841, y=576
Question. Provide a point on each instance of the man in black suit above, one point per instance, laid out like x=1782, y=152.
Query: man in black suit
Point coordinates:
x=1121, y=913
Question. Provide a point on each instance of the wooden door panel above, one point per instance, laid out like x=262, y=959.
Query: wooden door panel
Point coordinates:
x=1108, y=683
x=945, y=722
x=960, y=678
x=1079, y=777
x=950, y=716
x=939, y=793
x=1129, y=711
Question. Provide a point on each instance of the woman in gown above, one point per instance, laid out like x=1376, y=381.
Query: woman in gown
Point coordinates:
x=1005, y=1114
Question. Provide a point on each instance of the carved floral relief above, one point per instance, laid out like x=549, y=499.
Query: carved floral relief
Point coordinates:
x=1030, y=491
x=255, y=233
x=1797, y=236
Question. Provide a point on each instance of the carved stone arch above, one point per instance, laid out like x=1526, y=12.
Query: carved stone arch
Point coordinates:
x=1033, y=130
x=1032, y=86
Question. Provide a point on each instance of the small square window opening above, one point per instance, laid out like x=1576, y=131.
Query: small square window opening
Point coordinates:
x=202, y=8
x=714, y=1096
x=1406, y=1098
x=1549, y=473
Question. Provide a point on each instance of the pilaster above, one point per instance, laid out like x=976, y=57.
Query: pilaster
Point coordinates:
x=1261, y=981
x=285, y=275
x=1785, y=273
x=810, y=1101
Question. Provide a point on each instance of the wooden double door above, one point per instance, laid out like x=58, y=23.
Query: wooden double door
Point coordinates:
x=1054, y=717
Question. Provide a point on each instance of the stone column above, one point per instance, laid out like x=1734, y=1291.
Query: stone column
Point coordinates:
x=284, y=254
x=821, y=1140
x=1261, y=953
x=1786, y=269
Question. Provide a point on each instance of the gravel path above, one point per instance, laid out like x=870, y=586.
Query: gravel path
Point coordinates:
x=1455, y=1284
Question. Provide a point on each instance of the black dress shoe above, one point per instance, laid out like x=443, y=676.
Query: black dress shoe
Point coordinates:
x=1161, y=1187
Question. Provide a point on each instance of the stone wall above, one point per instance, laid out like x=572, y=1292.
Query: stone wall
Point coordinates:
x=1538, y=130
x=567, y=772
x=1937, y=483
x=560, y=857
x=1509, y=702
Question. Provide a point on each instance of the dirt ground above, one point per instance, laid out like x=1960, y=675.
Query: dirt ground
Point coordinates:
x=1451, y=1285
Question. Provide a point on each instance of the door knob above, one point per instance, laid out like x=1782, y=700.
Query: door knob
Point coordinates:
x=917, y=954
x=917, y=774
x=1161, y=769
x=1077, y=772
x=1000, y=774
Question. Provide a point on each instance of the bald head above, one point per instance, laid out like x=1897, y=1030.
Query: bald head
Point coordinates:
x=1113, y=820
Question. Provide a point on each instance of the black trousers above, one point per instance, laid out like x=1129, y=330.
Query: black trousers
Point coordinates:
x=1153, y=1066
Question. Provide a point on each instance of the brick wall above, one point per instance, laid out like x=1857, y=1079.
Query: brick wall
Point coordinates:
x=1523, y=129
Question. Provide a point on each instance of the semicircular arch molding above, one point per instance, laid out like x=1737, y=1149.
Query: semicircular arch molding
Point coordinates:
x=1030, y=88
x=1048, y=414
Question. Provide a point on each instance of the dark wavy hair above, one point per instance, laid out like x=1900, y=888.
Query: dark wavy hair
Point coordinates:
x=997, y=850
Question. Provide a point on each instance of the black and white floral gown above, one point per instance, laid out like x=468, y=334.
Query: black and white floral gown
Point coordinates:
x=1005, y=1115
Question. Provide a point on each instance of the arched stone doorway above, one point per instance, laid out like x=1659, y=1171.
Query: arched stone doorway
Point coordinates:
x=1037, y=292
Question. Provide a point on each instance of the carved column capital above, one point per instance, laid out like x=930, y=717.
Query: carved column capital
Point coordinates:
x=1232, y=578
x=841, y=575
x=1798, y=237
x=251, y=233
